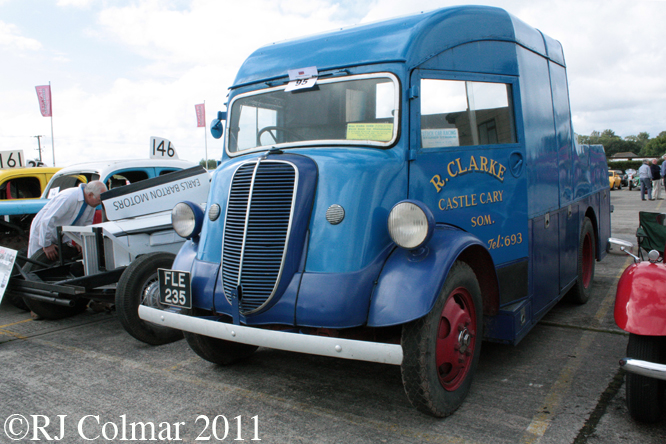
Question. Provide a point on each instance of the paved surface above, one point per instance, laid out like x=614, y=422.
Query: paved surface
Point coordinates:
x=561, y=384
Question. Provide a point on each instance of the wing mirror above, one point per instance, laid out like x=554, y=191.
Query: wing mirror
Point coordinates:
x=216, y=126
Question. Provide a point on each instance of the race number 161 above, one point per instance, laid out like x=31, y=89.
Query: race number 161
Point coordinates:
x=11, y=159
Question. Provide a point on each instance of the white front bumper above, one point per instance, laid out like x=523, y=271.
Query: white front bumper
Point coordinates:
x=280, y=340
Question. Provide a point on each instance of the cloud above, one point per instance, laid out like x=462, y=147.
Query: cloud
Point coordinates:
x=11, y=40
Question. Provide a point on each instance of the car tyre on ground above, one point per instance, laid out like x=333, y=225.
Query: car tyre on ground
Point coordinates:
x=218, y=351
x=441, y=350
x=139, y=285
x=645, y=396
x=580, y=293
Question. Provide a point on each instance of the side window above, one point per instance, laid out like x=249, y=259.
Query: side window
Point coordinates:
x=62, y=183
x=460, y=113
x=25, y=188
x=163, y=172
x=133, y=176
x=116, y=181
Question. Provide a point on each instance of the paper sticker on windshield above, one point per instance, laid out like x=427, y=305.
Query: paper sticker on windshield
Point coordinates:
x=436, y=138
x=301, y=84
x=53, y=192
x=380, y=132
x=303, y=73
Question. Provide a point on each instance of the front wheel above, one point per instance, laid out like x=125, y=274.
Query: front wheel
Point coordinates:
x=580, y=293
x=138, y=285
x=645, y=396
x=218, y=351
x=442, y=349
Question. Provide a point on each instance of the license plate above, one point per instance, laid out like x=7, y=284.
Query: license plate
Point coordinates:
x=175, y=288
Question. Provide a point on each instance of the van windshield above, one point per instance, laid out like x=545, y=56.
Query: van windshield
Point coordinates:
x=355, y=110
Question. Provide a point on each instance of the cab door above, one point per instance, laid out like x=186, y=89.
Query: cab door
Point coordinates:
x=468, y=165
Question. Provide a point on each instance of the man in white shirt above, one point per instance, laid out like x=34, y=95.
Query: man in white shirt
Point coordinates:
x=73, y=206
x=645, y=174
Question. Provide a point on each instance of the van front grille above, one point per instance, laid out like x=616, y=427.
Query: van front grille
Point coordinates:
x=256, y=230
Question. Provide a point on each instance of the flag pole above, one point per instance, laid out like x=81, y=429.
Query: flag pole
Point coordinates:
x=52, y=142
x=205, y=136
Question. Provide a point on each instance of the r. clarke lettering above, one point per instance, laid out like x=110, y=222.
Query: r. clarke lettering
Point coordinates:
x=456, y=168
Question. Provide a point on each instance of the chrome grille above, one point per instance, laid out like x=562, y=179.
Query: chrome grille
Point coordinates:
x=256, y=230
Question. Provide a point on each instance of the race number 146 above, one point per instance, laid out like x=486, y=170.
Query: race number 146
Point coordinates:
x=11, y=159
x=162, y=149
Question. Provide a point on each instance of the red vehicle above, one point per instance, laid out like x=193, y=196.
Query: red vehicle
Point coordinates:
x=640, y=310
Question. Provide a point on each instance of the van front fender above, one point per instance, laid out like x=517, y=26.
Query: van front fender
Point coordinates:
x=410, y=284
x=640, y=301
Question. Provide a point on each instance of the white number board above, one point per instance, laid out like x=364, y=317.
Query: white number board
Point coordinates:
x=7, y=258
x=11, y=159
x=162, y=149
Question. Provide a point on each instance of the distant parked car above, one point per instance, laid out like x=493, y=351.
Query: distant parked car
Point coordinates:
x=624, y=178
x=614, y=180
x=18, y=185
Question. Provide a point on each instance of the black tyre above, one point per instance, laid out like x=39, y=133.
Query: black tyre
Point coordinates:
x=47, y=310
x=17, y=301
x=139, y=285
x=218, y=351
x=580, y=293
x=442, y=349
x=645, y=396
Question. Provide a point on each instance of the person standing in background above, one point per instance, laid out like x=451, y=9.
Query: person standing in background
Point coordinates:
x=645, y=175
x=656, y=179
x=663, y=170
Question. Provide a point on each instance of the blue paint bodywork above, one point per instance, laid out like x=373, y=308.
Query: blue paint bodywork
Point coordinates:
x=513, y=211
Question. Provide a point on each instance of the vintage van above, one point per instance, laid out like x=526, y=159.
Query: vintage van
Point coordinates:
x=392, y=192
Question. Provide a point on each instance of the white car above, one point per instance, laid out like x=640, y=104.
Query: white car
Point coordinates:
x=120, y=256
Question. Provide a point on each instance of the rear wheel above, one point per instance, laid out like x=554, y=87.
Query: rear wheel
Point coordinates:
x=47, y=310
x=442, y=349
x=138, y=285
x=645, y=396
x=580, y=293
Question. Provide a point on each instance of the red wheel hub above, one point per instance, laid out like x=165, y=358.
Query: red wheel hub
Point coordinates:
x=456, y=339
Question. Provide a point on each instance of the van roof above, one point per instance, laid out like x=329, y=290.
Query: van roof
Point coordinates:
x=411, y=40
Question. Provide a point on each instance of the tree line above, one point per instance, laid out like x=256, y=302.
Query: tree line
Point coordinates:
x=641, y=145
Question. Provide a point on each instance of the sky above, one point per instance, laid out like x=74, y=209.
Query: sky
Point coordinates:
x=125, y=70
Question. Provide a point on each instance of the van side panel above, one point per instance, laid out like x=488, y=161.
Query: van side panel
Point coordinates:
x=542, y=176
x=569, y=224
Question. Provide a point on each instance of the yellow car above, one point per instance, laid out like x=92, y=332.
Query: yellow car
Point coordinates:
x=24, y=183
x=614, y=180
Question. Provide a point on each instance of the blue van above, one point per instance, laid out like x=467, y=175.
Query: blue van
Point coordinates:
x=395, y=192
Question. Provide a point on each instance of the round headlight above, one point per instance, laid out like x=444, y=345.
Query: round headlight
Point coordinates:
x=186, y=219
x=410, y=224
